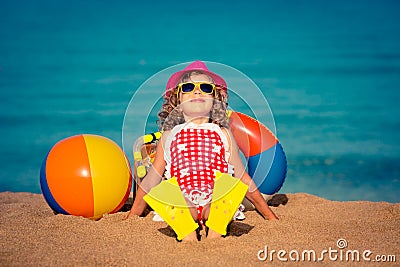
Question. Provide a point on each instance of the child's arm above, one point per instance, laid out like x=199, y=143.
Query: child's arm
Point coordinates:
x=257, y=199
x=152, y=178
x=253, y=194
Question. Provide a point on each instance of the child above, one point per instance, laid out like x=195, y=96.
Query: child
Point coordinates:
x=195, y=143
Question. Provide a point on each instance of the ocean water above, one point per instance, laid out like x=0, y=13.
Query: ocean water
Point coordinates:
x=330, y=72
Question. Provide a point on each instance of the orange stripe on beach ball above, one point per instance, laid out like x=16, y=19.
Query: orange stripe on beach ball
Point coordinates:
x=68, y=176
x=251, y=136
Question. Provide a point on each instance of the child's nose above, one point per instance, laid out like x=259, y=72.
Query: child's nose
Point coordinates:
x=197, y=90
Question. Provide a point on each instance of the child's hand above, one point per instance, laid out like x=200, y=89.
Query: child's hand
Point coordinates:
x=130, y=215
x=274, y=217
x=270, y=215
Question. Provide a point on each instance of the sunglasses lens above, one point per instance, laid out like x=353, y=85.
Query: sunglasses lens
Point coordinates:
x=206, y=88
x=187, y=87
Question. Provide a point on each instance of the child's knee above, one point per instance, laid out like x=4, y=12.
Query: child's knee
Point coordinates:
x=193, y=212
x=206, y=212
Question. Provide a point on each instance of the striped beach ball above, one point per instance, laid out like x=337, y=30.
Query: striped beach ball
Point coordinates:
x=86, y=175
x=266, y=160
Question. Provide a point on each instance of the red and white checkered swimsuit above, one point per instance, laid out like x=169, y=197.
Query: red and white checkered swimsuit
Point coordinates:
x=196, y=152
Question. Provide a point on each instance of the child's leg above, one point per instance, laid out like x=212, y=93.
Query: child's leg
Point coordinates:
x=210, y=233
x=227, y=195
x=193, y=212
x=167, y=200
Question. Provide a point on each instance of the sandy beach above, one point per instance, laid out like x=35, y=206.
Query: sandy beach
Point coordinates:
x=310, y=230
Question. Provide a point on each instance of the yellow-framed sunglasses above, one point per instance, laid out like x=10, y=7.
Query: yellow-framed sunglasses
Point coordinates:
x=205, y=88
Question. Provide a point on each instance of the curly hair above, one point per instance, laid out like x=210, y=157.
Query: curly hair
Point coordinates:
x=170, y=115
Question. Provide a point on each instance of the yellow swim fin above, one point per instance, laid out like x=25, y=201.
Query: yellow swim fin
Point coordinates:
x=227, y=195
x=167, y=200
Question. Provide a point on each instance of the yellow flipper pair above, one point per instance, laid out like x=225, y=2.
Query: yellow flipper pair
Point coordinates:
x=167, y=200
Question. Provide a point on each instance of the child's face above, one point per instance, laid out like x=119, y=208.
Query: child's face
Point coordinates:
x=196, y=104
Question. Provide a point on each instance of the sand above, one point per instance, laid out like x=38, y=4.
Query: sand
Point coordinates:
x=31, y=235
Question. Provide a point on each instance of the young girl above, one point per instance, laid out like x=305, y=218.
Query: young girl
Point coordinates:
x=195, y=144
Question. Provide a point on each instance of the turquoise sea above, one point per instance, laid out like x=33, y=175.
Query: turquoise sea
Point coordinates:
x=330, y=71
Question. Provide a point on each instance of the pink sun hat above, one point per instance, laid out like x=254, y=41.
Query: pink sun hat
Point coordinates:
x=199, y=66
